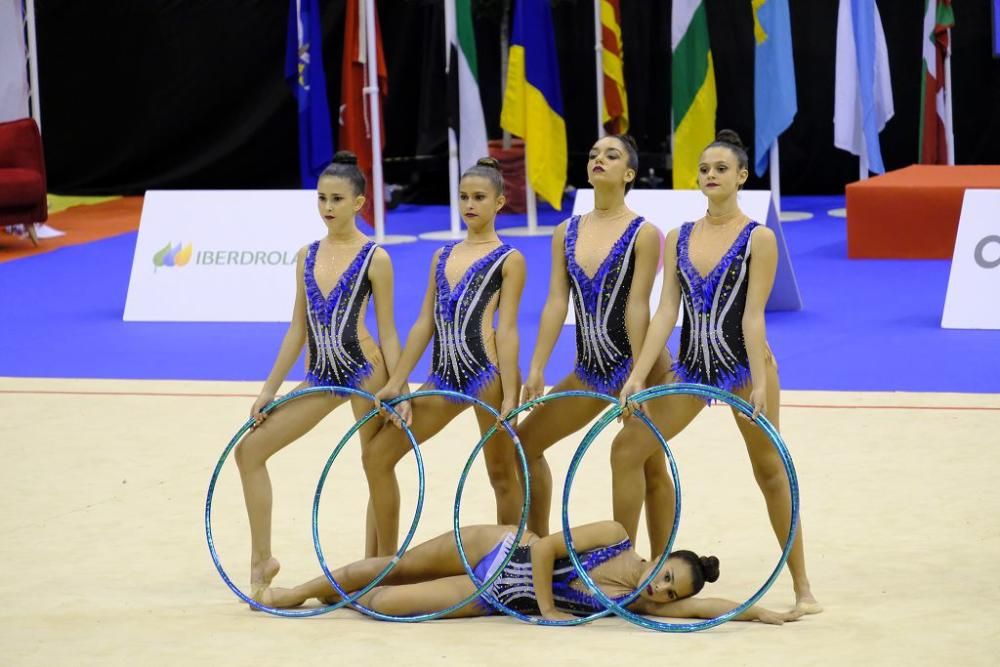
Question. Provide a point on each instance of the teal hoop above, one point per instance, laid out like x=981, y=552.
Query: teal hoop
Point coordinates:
x=316, y=611
x=458, y=538
x=741, y=406
x=535, y=620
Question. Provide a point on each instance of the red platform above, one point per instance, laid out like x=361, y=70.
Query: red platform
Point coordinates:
x=911, y=213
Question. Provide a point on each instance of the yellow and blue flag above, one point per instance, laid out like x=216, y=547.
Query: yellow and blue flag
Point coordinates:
x=775, y=103
x=304, y=72
x=532, y=102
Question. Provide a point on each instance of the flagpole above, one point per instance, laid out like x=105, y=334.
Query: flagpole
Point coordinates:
x=372, y=91
x=531, y=209
x=775, y=171
x=36, y=105
x=532, y=206
x=453, y=167
x=454, y=231
x=949, y=126
x=599, y=67
x=863, y=161
x=775, y=178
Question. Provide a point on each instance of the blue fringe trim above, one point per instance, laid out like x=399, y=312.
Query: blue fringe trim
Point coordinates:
x=353, y=380
x=610, y=385
x=325, y=305
x=447, y=298
x=590, y=561
x=472, y=387
x=723, y=380
x=703, y=288
x=591, y=286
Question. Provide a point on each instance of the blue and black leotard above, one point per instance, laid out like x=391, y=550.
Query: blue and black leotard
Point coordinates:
x=603, y=349
x=515, y=587
x=335, y=354
x=712, y=348
x=460, y=362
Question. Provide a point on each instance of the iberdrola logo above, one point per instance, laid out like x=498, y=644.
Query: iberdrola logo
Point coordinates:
x=169, y=255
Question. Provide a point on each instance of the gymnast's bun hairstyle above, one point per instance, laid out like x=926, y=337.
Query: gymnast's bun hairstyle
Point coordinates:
x=703, y=568
x=345, y=165
x=488, y=168
x=731, y=140
x=632, y=150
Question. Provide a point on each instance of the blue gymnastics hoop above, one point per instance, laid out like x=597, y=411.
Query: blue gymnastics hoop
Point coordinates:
x=418, y=618
x=316, y=611
x=534, y=620
x=737, y=403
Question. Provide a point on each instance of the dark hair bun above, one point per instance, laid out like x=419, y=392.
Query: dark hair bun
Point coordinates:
x=730, y=137
x=710, y=564
x=628, y=140
x=488, y=162
x=345, y=157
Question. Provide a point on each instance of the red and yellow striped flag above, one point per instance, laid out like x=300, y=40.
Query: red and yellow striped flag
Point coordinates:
x=615, y=118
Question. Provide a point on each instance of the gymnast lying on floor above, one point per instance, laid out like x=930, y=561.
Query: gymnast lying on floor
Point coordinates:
x=538, y=580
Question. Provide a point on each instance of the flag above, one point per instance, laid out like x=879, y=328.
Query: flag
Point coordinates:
x=774, y=94
x=355, y=119
x=934, y=138
x=863, y=97
x=465, y=108
x=693, y=100
x=532, y=101
x=615, y=114
x=304, y=72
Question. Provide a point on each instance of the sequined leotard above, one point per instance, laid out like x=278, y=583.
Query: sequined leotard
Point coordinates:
x=603, y=350
x=460, y=361
x=335, y=354
x=712, y=348
x=515, y=588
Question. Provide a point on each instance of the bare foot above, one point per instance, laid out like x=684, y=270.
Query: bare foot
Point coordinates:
x=261, y=575
x=805, y=603
x=263, y=572
x=280, y=598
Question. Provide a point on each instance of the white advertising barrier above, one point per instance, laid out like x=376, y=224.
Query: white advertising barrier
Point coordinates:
x=973, y=298
x=219, y=255
x=669, y=209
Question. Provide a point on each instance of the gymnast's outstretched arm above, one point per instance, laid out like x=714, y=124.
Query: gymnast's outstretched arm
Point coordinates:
x=662, y=323
x=416, y=342
x=507, y=339
x=545, y=551
x=552, y=320
x=711, y=608
x=291, y=344
x=381, y=277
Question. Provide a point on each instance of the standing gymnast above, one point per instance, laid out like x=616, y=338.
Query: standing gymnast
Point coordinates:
x=607, y=260
x=469, y=282
x=335, y=277
x=707, y=267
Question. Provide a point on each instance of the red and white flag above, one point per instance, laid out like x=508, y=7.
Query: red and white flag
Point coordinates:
x=936, y=139
x=355, y=117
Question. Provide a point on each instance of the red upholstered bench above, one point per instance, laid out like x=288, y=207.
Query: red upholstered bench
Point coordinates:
x=22, y=175
x=911, y=213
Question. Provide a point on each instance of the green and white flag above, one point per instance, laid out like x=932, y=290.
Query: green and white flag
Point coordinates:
x=693, y=89
x=465, y=109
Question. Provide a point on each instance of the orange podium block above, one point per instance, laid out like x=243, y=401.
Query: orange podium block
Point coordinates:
x=911, y=213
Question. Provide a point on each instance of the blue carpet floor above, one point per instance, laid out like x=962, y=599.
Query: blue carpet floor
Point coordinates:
x=866, y=324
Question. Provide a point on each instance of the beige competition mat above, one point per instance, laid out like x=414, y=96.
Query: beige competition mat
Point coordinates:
x=105, y=562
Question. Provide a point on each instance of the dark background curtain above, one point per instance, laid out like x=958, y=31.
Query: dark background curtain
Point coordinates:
x=141, y=94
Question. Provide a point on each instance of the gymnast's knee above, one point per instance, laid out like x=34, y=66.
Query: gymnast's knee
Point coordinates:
x=503, y=477
x=659, y=483
x=245, y=455
x=626, y=453
x=376, y=457
x=771, y=479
